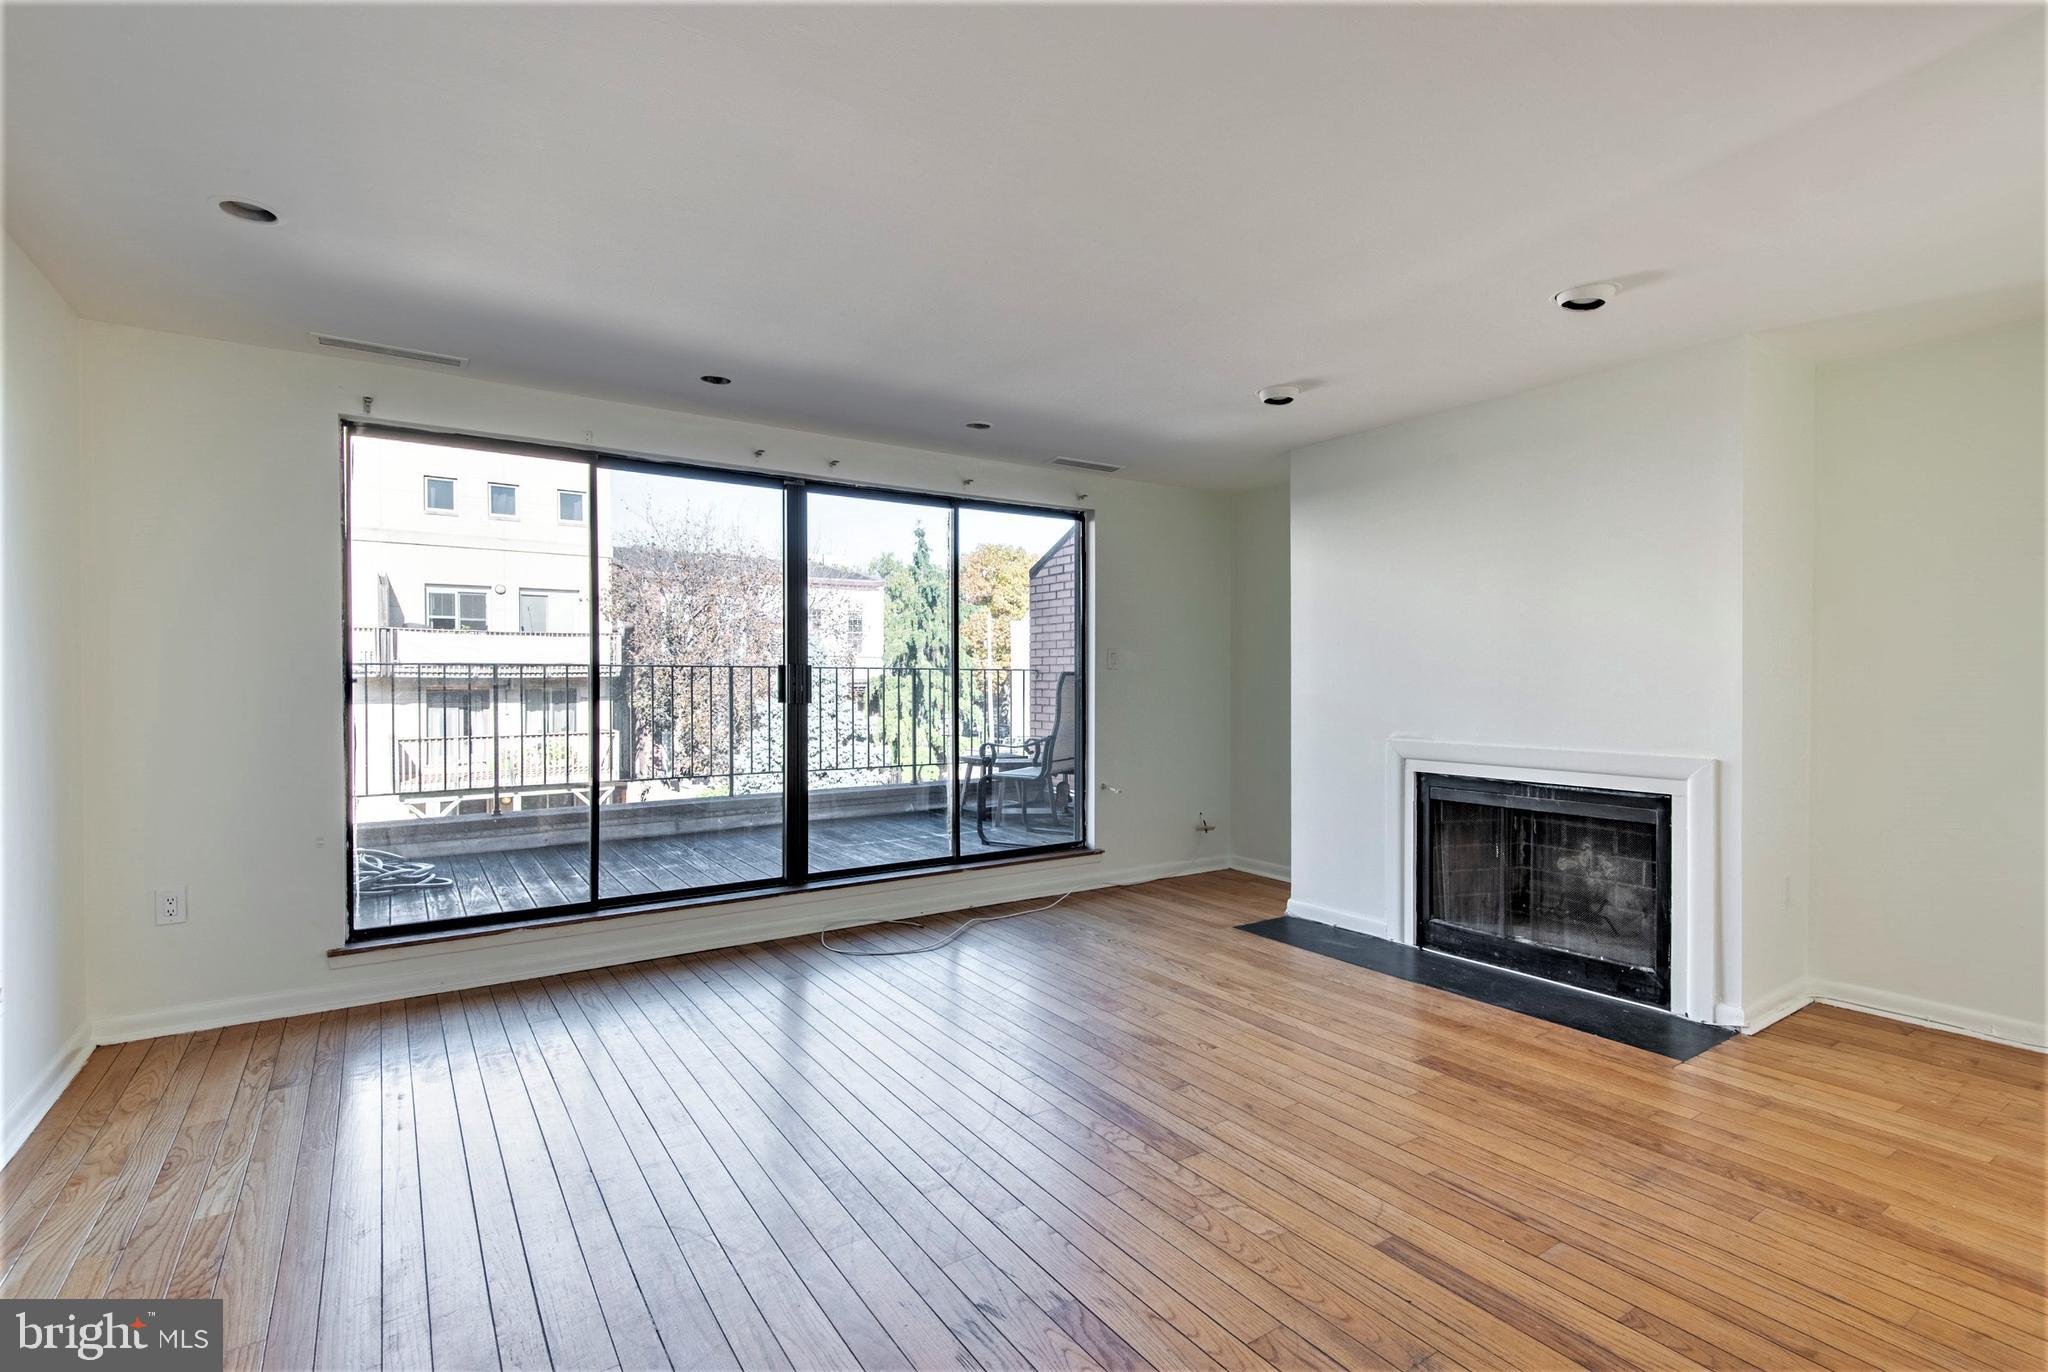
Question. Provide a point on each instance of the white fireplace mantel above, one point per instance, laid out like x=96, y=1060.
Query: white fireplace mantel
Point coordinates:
x=1691, y=782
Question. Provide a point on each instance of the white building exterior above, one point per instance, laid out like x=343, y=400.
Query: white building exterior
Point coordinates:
x=449, y=543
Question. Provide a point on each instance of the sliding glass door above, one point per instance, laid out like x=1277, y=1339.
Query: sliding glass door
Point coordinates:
x=1021, y=706
x=880, y=722
x=469, y=675
x=690, y=614
x=577, y=682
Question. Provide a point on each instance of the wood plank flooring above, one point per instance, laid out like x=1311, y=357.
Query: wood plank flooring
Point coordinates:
x=512, y=880
x=1117, y=1134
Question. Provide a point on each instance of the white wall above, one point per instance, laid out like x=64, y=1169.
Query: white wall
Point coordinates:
x=1777, y=678
x=42, y=994
x=1259, y=788
x=1561, y=568
x=1928, y=687
x=1830, y=579
x=210, y=504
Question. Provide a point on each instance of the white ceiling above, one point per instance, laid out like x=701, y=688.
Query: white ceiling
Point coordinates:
x=1099, y=229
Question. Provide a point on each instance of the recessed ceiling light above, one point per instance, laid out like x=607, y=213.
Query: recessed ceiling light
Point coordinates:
x=979, y=424
x=716, y=380
x=1279, y=395
x=1582, y=299
x=249, y=210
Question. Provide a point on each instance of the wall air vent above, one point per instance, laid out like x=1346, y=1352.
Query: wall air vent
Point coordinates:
x=357, y=345
x=1085, y=466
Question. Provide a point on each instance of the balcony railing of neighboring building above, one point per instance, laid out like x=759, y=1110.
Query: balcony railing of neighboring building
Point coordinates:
x=480, y=738
x=417, y=644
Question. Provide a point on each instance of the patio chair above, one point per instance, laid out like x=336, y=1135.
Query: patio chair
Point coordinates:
x=1030, y=774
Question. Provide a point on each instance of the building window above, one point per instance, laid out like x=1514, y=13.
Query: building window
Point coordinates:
x=463, y=712
x=570, y=506
x=457, y=607
x=551, y=709
x=504, y=501
x=543, y=612
x=441, y=494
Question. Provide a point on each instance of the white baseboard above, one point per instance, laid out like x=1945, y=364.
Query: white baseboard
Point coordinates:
x=1794, y=995
x=1377, y=926
x=1870, y=1000
x=1259, y=867
x=28, y=1112
x=1956, y=1019
x=426, y=969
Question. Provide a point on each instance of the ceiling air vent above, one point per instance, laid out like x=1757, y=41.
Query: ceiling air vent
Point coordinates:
x=1085, y=466
x=357, y=345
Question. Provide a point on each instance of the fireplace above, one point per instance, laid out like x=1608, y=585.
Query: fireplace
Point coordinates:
x=1569, y=883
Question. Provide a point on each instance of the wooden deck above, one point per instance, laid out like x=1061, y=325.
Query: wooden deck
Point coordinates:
x=524, y=879
x=1118, y=1134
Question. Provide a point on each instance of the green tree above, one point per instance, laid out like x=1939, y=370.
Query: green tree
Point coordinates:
x=916, y=628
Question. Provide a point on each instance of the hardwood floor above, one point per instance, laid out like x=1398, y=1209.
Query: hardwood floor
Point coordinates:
x=1116, y=1134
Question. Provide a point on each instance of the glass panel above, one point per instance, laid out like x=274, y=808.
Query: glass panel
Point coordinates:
x=504, y=500
x=881, y=681
x=1021, y=693
x=570, y=505
x=466, y=803
x=1566, y=883
x=440, y=493
x=693, y=610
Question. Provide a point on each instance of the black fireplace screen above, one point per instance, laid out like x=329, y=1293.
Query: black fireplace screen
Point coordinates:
x=1564, y=882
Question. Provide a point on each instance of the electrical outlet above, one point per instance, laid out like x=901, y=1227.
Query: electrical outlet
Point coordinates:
x=168, y=903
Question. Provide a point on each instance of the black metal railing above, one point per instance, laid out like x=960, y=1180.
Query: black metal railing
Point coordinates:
x=471, y=735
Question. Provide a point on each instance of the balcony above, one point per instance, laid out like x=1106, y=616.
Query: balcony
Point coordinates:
x=462, y=647
x=472, y=781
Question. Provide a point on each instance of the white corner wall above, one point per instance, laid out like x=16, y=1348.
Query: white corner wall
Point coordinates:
x=43, y=1014
x=211, y=676
x=1560, y=568
x=1928, y=684
x=1777, y=679
x=1259, y=814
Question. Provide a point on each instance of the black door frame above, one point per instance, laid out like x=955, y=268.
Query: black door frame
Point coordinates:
x=951, y=508
x=794, y=675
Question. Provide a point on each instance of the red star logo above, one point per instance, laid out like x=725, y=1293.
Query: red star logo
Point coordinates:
x=138, y=1324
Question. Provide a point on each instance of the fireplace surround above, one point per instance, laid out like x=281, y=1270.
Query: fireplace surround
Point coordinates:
x=1699, y=943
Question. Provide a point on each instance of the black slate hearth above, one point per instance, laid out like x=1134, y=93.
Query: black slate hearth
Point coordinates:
x=1638, y=1026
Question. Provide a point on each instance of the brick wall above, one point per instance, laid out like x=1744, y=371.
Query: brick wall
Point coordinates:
x=1055, y=625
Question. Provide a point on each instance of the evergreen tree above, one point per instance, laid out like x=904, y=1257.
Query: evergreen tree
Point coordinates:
x=916, y=628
